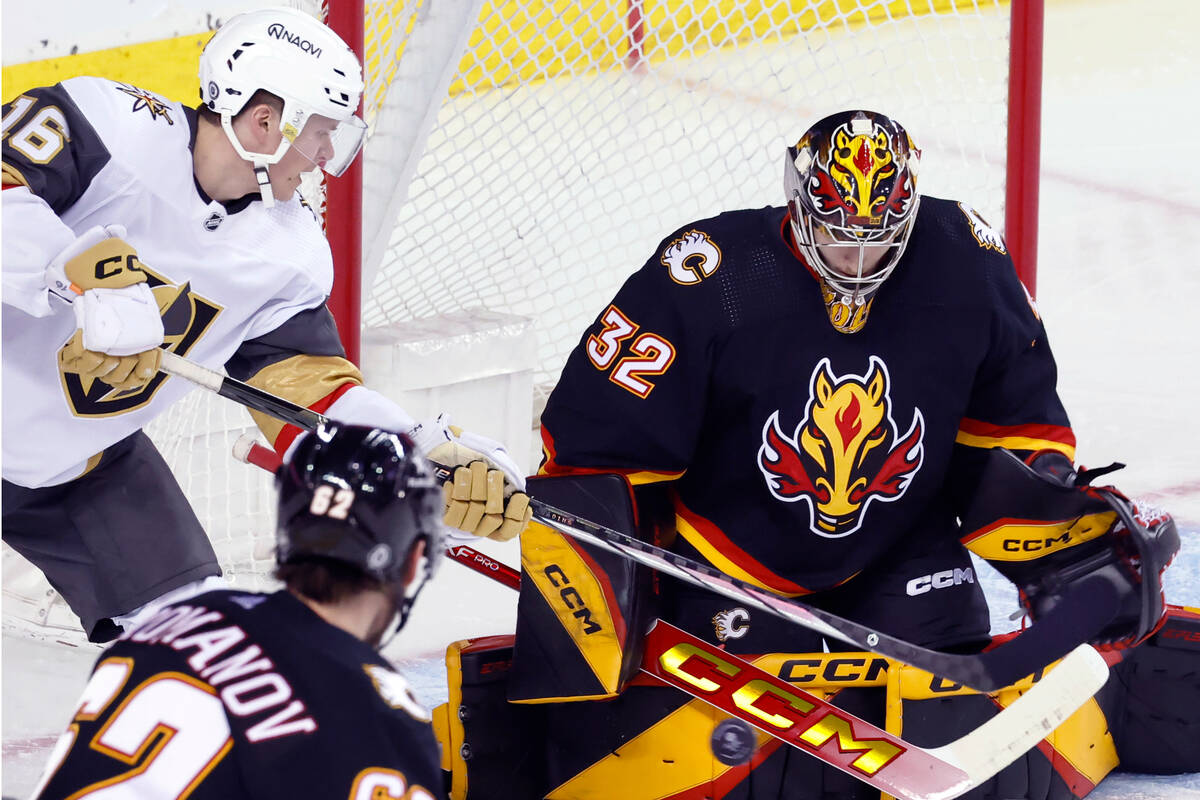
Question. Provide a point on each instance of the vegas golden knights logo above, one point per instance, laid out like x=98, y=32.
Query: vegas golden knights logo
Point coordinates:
x=845, y=453
x=185, y=315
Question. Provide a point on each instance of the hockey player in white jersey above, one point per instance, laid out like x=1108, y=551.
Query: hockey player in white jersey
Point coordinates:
x=132, y=224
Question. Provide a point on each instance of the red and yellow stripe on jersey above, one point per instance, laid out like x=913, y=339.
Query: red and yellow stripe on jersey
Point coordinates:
x=550, y=466
x=717, y=548
x=984, y=435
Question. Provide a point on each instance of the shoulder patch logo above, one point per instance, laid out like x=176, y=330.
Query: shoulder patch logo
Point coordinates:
x=845, y=453
x=395, y=691
x=691, y=258
x=988, y=237
x=157, y=106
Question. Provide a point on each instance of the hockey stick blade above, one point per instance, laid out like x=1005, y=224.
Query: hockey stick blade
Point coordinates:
x=857, y=747
x=1078, y=617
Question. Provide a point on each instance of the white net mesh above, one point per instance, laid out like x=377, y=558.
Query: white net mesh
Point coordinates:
x=559, y=157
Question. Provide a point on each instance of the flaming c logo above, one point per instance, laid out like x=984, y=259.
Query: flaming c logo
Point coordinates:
x=845, y=453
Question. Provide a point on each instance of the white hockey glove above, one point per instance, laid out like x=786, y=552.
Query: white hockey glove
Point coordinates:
x=120, y=326
x=485, y=498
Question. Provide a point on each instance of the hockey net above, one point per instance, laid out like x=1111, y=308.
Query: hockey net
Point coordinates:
x=525, y=157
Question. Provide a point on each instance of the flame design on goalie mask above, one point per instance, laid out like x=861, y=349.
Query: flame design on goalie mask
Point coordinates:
x=850, y=183
x=845, y=453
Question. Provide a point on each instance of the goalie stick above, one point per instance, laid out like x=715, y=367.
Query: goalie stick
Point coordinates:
x=1079, y=616
x=838, y=738
x=817, y=727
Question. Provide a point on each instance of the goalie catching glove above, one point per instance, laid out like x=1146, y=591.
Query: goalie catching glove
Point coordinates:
x=1049, y=532
x=484, y=496
x=119, y=324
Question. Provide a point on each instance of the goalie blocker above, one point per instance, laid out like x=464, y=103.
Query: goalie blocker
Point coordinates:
x=568, y=687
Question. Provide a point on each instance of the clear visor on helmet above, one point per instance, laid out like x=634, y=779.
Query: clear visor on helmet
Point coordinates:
x=328, y=143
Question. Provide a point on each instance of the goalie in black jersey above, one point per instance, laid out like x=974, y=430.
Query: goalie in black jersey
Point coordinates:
x=817, y=399
x=239, y=695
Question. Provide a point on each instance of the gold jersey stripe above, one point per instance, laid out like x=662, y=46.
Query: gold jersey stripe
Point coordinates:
x=718, y=560
x=13, y=176
x=302, y=379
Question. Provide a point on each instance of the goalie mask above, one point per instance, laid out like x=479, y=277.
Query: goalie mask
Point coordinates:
x=852, y=200
x=294, y=56
x=362, y=496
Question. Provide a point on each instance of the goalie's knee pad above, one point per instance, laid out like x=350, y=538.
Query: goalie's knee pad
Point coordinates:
x=491, y=749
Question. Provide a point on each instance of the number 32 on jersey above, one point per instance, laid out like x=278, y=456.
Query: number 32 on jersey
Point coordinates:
x=649, y=354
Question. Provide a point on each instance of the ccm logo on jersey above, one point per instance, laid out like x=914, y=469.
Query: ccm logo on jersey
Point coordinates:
x=945, y=579
x=573, y=600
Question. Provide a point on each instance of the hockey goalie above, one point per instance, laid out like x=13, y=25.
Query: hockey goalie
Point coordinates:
x=837, y=400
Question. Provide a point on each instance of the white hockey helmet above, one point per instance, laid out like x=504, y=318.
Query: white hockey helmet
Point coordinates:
x=296, y=57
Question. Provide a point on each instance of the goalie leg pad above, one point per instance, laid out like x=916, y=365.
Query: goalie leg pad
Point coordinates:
x=1158, y=729
x=491, y=749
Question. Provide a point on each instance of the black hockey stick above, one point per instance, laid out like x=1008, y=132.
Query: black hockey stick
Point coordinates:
x=1080, y=615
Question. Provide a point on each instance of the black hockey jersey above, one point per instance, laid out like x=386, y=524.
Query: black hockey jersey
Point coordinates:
x=236, y=695
x=800, y=454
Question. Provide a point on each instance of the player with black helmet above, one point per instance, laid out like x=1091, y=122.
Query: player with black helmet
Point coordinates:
x=283, y=694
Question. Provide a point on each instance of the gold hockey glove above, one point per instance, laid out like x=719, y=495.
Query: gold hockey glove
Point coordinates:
x=120, y=326
x=484, y=496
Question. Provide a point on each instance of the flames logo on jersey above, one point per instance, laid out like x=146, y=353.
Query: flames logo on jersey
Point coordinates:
x=861, y=185
x=185, y=315
x=845, y=453
x=988, y=237
x=732, y=623
x=691, y=258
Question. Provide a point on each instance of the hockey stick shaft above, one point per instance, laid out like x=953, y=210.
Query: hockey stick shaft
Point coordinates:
x=240, y=392
x=1078, y=617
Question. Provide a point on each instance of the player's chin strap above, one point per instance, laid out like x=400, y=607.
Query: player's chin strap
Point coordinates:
x=264, y=184
x=404, y=599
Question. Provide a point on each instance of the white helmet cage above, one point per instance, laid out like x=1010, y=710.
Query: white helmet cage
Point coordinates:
x=295, y=56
